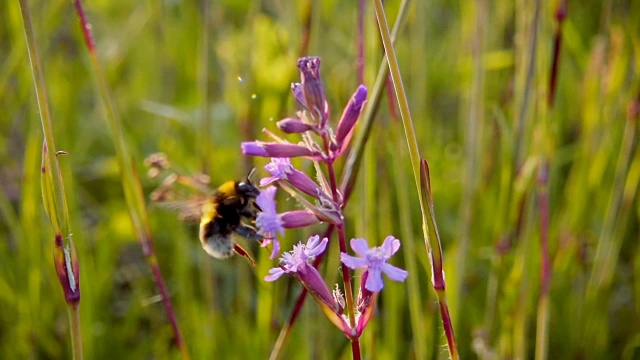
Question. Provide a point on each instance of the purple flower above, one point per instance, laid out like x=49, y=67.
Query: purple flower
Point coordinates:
x=281, y=169
x=374, y=260
x=298, y=263
x=278, y=168
x=272, y=149
x=269, y=222
x=299, y=258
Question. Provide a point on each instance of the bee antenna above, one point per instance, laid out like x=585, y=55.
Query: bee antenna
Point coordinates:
x=250, y=174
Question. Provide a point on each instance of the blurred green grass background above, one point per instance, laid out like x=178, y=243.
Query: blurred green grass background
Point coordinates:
x=171, y=63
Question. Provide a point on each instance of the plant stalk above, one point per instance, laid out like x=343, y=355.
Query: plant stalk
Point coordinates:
x=422, y=182
x=55, y=202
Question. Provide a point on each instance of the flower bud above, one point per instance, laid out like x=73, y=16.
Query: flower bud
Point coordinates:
x=293, y=126
x=313, y=89
x=278, y=150
x=350, y=117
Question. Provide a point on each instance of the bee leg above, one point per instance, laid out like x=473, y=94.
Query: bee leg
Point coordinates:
x=242, y=252
x=249, y=233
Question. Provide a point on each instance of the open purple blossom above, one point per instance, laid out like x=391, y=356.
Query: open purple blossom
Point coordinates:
x=374, y=260
x=281, y=169
x=298, y=263
x=270, y=222
x=278, y=168
x=299, y=258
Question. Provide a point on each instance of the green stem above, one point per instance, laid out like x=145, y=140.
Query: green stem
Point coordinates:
x=352, y=164
x=473, y=138
x=76, y=331
x=402, y=187
x=55, y=201
x=421, y=178
x=58, y=219
x=403, y=103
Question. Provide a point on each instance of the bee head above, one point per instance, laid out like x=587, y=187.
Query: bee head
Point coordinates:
x=246, y=188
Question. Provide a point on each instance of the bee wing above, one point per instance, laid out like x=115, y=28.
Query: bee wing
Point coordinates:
x=188, y=210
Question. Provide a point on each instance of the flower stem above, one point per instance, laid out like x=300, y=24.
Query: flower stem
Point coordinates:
x=53, y=193
x=355, y=349
x=284, y=332
x=421, y=177
x=342, y=242
x=76, y=331
x=353, y=161
x=401, y=95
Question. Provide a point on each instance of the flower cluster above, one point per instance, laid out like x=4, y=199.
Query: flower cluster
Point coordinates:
x=298, y=263
x=310, y=95
x=322, y=202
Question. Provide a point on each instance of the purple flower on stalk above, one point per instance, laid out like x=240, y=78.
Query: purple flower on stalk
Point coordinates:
x=278, y=168
x=270, y=223
x=298, y=263
x=299, y=258
x=374, y=260
x=281, y=169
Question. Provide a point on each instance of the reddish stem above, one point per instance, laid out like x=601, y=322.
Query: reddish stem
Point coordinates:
x=561, y=13
x=86, y=27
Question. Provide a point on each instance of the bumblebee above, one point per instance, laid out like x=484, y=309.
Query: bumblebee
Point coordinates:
x=226, y=213
x=229, y=211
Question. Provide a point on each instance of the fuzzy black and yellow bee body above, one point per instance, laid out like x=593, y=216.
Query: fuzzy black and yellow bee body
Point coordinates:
x=229, y=211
